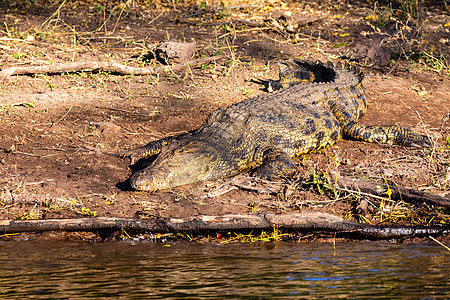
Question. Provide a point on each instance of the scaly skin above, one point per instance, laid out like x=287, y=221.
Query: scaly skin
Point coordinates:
x=316, y=107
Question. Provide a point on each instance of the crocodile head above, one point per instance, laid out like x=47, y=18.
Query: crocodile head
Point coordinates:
x=179, y=163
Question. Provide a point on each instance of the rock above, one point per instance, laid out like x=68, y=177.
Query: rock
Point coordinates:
x=378, y=56
x=174, y=52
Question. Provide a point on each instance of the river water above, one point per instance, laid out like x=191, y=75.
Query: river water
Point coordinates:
x=363, y=270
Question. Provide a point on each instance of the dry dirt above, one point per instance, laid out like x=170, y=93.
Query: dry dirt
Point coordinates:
x=55, y=127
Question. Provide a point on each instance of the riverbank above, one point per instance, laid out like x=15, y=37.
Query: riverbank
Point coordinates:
x=55, y=128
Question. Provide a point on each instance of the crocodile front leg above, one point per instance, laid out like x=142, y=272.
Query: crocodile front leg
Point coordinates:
x=152, y=148
x=275, y=164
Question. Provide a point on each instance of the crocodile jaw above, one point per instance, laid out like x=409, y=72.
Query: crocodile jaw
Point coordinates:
x=153, y=178
x=144, y=180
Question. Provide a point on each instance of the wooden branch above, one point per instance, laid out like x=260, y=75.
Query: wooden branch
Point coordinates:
x=398, y=192
x=299, y=221
x=114, y=67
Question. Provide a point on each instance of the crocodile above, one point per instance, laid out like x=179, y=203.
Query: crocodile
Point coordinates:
x=315, y=106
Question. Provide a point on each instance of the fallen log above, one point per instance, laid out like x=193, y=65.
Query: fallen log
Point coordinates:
x=90, y=66
x=397, y=192
x=310, y=221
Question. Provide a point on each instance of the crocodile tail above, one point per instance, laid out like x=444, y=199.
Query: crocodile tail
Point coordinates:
x=293, y=72
x=357, y=72
x=353, y=71
x=348, y=75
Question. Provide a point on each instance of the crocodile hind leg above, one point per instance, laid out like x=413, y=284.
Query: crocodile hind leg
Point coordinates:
x=275, y=163
x=386, y=134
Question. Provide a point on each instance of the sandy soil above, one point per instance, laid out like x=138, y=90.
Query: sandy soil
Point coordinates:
x=54, y=128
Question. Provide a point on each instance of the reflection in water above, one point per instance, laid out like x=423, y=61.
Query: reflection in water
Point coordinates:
x=186, y=270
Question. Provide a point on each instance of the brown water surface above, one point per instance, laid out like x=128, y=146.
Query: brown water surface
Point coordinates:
x=364, y=270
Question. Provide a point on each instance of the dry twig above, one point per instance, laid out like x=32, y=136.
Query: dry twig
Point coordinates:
x=10, y=198
x=398, y=192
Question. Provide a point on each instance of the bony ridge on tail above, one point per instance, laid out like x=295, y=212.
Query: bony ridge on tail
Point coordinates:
x=317, y=105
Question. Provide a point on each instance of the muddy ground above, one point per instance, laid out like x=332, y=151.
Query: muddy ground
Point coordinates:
x=54, y=128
